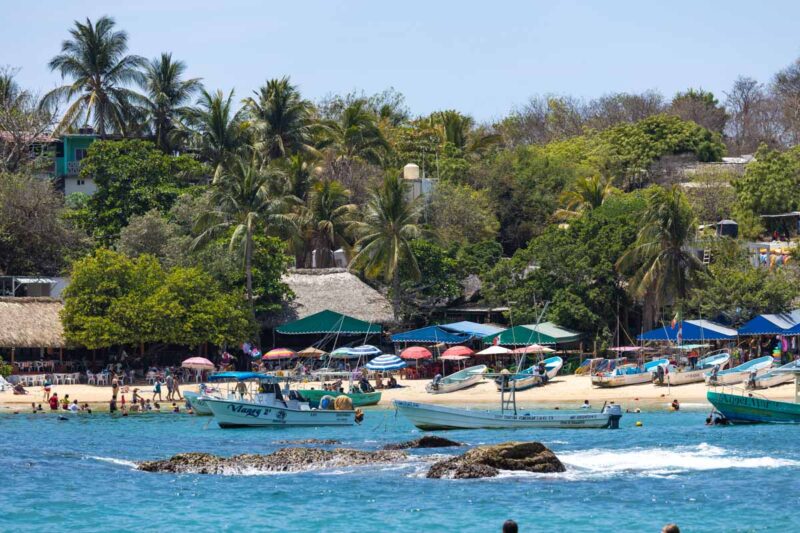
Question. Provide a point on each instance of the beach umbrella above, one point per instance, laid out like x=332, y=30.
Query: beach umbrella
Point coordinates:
x=385, y=363
x=278, y=353
x=454, y=357
x=366, y=350
x=198, y=363
x=416, y=353
x=459, y=350
x=533, y=348
x=495, y=350
x=344, y=353
x=311, y=352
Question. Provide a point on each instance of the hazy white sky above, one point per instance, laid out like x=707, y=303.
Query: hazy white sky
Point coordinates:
x=482, y=58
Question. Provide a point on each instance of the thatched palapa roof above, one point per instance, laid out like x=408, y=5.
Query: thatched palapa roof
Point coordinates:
x=335, y=289
x=31, y=323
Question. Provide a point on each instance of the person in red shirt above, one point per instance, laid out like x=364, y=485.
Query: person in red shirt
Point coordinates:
x=54, y=402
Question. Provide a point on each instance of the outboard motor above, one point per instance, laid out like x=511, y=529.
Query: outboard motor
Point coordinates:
x=616, y=413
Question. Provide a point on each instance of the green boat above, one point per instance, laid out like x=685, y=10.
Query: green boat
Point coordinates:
x=359, y=399
x=748, y=408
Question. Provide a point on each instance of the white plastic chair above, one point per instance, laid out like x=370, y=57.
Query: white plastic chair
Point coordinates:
x=91, y=379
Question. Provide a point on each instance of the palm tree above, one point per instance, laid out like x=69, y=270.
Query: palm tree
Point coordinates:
x=356, y=135
x=458, y=130
x=586, y=194
x=167, y=94
x=218, y=128
x=385, y=235
x=664, y=266
x=244, y=200
x=281, y=118
x=324, y=222
x=94, y=58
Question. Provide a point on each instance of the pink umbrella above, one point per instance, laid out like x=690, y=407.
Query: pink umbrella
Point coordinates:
x=416, y=352
x=458, y=350
x=198, y=363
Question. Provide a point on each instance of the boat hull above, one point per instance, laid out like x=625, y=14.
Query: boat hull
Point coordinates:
x=684, y=377
x=435, y=417
x=232, y=414
x=198, y=404
x=740, y=409
x=361, y=399
x=622, y=380
x=732, y=378
x=444, y=388
x=520, y=383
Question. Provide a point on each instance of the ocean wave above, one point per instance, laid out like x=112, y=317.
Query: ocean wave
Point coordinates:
x=114, y=461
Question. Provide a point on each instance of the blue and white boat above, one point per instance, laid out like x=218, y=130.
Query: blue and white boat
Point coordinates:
x=676, y=375
x=530, y=377
x=628, y=374
x=775, y=377
x=740, y=373
x=739, y=406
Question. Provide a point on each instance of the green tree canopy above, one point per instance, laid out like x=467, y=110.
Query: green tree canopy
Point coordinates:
x=771, y=183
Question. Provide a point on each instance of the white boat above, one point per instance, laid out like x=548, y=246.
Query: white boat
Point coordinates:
x=198, y=403
x=433, y=417
x=628, y=374
x=457, y=381
x=530, y=377
x=674, y=375
x=775, y=376
x=740, y=373
x=269, y=406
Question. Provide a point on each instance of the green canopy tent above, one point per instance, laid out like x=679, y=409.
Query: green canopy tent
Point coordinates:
x=329, y=322
x=544, y=333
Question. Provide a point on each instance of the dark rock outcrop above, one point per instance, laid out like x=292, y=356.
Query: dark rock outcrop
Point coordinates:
x=487, y=461
x=283, y=460
x=428, y=441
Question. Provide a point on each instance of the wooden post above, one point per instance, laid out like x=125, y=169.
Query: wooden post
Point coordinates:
x=61, y=354
x=12, y=355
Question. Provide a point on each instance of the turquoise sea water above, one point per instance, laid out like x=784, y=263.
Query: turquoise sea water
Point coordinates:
x=77, y=475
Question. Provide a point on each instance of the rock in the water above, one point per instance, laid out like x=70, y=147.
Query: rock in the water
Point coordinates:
x=428, y=441
x=487, y=461
x=283, y=460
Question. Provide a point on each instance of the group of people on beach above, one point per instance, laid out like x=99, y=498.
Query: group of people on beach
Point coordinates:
x=63, y=405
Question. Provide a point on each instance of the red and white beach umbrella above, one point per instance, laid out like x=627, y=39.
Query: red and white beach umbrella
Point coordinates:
x=415, y=353
x=459, y=350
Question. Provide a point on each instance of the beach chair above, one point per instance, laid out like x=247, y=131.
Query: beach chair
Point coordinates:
x=91, y=379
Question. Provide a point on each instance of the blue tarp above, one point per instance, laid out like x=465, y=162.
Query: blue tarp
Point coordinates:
x=472, y=328
x=431, y=335
x=776, y=324
x=692, y=330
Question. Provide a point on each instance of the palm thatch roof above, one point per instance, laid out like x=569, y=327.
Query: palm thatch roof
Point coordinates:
x=334, y=289
x=31, y=323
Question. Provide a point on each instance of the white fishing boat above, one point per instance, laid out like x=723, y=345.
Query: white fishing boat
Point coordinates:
x=681, y=375
x=740, y=373
x=628, y=374
x=531, y=376
x=458, y=380
x=775, y=376
x=198, y=403
x=260, y=402
x=435, y=417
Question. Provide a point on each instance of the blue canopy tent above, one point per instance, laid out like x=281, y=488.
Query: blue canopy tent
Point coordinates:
x=774, y=324
x=431, y=335
x=472, y=328
x=691, y=330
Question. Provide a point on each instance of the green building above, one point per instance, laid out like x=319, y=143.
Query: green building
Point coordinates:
x=71, y=148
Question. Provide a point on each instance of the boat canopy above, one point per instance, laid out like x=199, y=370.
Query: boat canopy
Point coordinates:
x=472, y=328
x=329, y=322
x=239, y=376
x=544, y=333
x=431, y=335
x=691, y=330
x=771, y=324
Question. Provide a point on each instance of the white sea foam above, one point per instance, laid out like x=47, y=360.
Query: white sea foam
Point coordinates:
x=115, y=461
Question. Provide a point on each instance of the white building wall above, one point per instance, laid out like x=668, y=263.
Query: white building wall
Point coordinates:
x=75, y=184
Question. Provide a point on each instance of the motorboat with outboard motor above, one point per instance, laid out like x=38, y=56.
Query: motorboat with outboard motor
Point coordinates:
x=457, y=381
x=628, y=374
x=743, y=372
x=681, y=375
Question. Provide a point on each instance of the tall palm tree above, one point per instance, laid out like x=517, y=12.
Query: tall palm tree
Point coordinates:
x=586, y=194
x=324, y=221
x=356, y=135
x=245, y=199
x=281, y=118
x=218, y=128
x=664, y=266
x=167, y=94
x=94, y=58
x=459, y=131
x=385, y=234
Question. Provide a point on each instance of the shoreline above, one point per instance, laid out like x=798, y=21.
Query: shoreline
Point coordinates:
x=565, y=392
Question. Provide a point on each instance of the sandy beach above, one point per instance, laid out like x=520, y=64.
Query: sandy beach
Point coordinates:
x=564, y=391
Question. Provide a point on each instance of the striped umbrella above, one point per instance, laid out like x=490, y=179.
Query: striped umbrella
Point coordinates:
x=386, y=362
x=343, y=353
x=278, y=353
x=366, y=350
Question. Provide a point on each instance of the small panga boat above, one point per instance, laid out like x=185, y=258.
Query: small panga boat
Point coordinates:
x=775, y=377
x=740, y=373
x=742, y=407
x=530, y=377
x=674, y=375
x=628, y=374
x=359, y=399
x=458, y=380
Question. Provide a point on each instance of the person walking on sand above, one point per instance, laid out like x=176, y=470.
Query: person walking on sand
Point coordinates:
x=176, y=389
x=170, y=383
x=46, y=388
x=157, y=390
